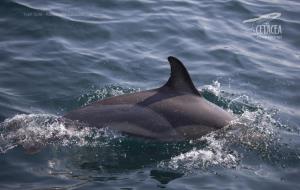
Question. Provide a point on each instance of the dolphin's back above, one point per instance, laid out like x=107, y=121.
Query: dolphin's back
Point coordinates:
x=175, y=111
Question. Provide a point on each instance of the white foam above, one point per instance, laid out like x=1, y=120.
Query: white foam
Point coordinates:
x=214, y=88
x=34, y=131
x=108, y=91
x=254, y=130
x=215, y=153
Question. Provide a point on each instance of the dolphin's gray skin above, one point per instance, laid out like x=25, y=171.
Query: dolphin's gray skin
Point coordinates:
x=175, y=111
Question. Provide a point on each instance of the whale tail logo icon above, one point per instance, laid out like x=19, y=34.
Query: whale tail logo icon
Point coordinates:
x=269, y=16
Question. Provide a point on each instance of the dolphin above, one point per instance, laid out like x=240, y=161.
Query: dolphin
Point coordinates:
x=175, y=111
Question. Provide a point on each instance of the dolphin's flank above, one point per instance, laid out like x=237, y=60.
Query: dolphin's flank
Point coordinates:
x=175, y=111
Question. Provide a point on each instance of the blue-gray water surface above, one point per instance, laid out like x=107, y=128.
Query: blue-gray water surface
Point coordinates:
x=58, y=55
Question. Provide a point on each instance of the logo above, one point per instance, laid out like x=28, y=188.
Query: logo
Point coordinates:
x=266, y=26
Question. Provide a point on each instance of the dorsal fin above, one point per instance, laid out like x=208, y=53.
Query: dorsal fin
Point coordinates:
x=180, y=79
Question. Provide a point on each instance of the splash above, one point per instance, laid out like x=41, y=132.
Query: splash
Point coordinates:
x=215, y=153
x=35, y=131
x=254, y=129
x=235, y=103
x=107, y=91
x=214, y=88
